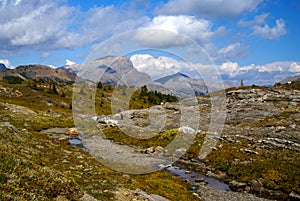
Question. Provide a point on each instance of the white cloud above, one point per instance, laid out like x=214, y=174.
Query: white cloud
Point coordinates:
x=38, y=24
x=160, y=66
x=234, y=69
x=166, y=31
x=235, y=50
x=69, y=62
x=253, y=74
x=258, y=20
x=208, y=8
x=7, y=63
x=230, y=68
x=271, y=33
x=272, y=67
x=47, y=25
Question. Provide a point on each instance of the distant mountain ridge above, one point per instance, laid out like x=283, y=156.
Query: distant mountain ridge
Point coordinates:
x=182, y=85
x=36, y=72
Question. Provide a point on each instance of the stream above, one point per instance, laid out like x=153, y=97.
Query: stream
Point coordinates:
x=174, y=170
x=192, y=176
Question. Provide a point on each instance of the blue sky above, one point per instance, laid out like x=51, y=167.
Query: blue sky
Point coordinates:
x=239, y=36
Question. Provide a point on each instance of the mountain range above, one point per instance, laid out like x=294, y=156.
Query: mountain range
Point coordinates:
x=36, y=72
x=117, y=70
x=120, y=71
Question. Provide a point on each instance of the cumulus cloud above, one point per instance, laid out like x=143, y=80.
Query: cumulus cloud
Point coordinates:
x=37, y=23
x=230, y=68
x=48, y=25
x=258, y=20
x=160, y=66
x=7, y=63
x=208, y=8
x=166, y=31
x=233, y=69
x=271, y=33
x=252, y=74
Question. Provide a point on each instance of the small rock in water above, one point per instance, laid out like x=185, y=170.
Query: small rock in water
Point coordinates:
x=199, y=180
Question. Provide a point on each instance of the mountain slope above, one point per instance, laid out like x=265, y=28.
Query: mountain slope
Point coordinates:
x=182, y=85
x=290, y=79
x=2, y=66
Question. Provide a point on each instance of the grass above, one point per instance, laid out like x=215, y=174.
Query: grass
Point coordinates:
x=279, y=168
x=162, y=139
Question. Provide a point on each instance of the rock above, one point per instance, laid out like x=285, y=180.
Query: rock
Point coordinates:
x=159, y=149
x=102, y=119
x=188, y=172
x=158, y=198
x=174, y=107
x=294, y=196
x=71, y=131
x=219, y=176
x=247, y=189
x=250, y=151
x=187, y=130
x=257, y=185
x=142, y=195
x=61, y=139
x=236, y=186
x=149, y=150
x=9, y=125
x=87, y=197
x=199, y=180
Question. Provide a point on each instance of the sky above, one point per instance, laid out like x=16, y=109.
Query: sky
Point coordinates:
x=254, y=40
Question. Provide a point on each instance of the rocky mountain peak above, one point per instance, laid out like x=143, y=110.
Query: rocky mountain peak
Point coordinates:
x=182, y=85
